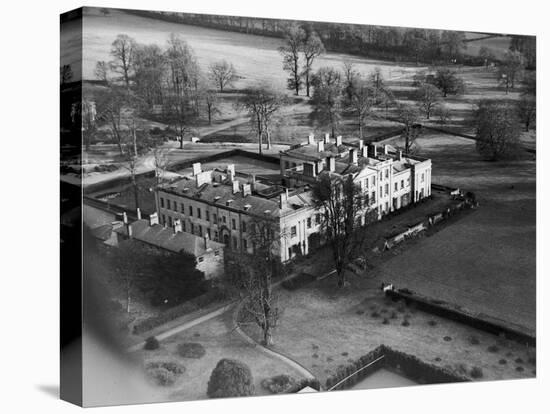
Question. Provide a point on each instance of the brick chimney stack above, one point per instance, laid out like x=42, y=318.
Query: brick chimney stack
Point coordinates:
x=311, y=139
x=327, y=139
x=153, y=219
x=339, y=140
x=138, y=213
x=320, y=146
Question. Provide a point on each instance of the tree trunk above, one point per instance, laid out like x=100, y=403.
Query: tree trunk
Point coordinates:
x=268, y=337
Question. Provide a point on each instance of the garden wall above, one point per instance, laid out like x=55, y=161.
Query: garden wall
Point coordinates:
x=445, y=310
x=386, y=357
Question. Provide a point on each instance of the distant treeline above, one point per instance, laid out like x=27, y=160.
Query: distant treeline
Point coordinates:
x=378, y=42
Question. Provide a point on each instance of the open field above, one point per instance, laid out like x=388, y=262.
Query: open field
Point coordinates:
x=322, y=328
x=256, y=58
x=486, y=261
x=220, y=341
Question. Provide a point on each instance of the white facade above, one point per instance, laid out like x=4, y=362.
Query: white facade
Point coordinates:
x=221, y=207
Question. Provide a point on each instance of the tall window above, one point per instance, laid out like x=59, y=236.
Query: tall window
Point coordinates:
x=170, y=221
x=373, y=197
x=387, y=172
x=402, y=183
x=387, y=189
x=293, y=231
x=168, y=204
x=215, y=218
x=233, y=224
x=191, y=211
x=182, y=208
x=245, y=244
x=309, y=222
x=243, y=226
x=395, y=187
x=207, y=215
x=198, y=212
x=162, y=202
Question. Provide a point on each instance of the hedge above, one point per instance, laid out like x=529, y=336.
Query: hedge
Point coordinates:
x=212, y=296
x=409, y=365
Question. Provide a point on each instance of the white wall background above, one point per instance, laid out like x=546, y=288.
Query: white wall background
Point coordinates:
x=29, y=236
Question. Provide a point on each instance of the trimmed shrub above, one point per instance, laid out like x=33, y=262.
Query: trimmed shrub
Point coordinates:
x=191, y=350
x=385, y=321
x=278, y=384
x=230, y=378
x=476, y=372
x=374, y=314
x=432, y=323
x=447, y=338
x=393, y=315
x=518, y=361
x=360, y=312
x=164, y=373
x=493, y=349
x=474, y=340
x=345, y=354
x=502, y=361
x=519, y=369
x=315, y=356
x=405, y=322
x=151, y=343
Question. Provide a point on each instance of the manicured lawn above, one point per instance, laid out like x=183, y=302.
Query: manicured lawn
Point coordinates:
x=220, y=341
x=485, y=261
x=322, y=328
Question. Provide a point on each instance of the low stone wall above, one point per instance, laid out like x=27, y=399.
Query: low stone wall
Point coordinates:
x=423, y=225
x=445, y=310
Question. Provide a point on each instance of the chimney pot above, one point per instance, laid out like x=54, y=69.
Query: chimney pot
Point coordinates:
x=320, y=146
x=339, y=140
x=327, y=139
x=361, y=144
x=125, y=218
x=311, y=139
x=138, y=212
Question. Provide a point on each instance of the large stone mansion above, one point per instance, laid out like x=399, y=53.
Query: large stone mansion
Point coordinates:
x=220, y=204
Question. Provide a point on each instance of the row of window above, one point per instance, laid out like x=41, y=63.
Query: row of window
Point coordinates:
x=309, y=223
x=172, y=205
x=200, y=231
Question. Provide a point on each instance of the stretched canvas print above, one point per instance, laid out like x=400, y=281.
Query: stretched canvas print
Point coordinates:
x=254, y=206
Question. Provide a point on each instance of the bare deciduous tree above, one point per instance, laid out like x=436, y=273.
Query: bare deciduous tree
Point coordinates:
x=253, y=275
x=361, y=102
x=344, y=210
x=222, y=73
x=294, y=39
x=497, y=127
x=510, y=69
x=312, y=47
x=527, y=110
x=327, y=99
x=408, y=116
x=427, y=96
x=122, y=51
x=262, y=105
